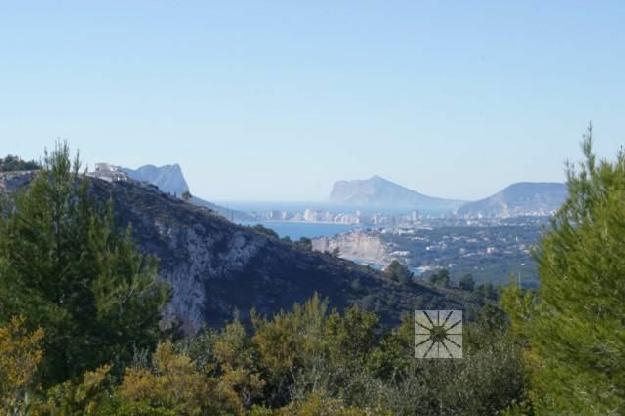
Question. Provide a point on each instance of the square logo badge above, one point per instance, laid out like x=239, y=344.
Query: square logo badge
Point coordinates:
x=438, y=334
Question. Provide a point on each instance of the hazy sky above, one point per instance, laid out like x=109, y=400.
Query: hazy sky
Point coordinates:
x=271, y=100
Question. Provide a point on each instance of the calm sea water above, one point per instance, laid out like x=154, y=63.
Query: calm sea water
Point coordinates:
x=296, y=230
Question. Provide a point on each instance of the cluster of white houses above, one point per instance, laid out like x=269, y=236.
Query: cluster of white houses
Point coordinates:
x=108, y=172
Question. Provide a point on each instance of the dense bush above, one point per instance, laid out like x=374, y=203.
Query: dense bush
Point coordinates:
x=440, y=278
x=467, y=282
x=398, y=272
x=310, y=361
x=14, y=163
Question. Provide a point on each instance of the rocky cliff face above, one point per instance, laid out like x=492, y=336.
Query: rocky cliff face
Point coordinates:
x=520, y=199
x=167, y=178
x=356, y=246
x=378, y=192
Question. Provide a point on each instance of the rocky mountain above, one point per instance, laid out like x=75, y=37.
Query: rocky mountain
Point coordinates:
x=358, y=246
x=520, y=199
x=217, y=268
x=377, y=192
x=231, y=214
x=169, y=179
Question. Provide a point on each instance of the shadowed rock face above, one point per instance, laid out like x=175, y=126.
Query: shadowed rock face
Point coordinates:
x=216, y=267
x=12, y=181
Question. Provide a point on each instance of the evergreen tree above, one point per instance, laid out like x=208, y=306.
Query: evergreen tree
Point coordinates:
x=487, y=291
x=441, y=278
x=466, y=282
x=576, y=331
x=398, y=272
x=267, y=232
x=65, y=268
x=304, y=244
x=186, y=195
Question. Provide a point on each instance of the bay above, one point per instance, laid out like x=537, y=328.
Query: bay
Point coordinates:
x=297, y=229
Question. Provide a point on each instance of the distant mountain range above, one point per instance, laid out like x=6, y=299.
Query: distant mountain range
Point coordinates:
x=377, y=192
x=169, y=179
x=519, y=199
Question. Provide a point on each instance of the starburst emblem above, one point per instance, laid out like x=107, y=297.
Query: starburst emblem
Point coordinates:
x=438, y=334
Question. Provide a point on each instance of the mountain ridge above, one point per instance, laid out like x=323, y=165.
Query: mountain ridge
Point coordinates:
x=170, y=179
x=218, y=269
x=518, y=199
x=378, y=192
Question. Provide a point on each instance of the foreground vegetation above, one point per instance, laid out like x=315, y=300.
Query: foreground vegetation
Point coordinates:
x=572, y=330
x=308, y=361
x=80, y=314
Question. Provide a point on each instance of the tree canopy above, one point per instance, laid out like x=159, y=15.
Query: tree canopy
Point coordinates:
x=12, y=163
x=573, y=327
x=66, y=268
x=398, y=272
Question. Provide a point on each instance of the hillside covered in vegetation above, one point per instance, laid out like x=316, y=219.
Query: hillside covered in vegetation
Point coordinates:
x=95, y=278
x=217, y=269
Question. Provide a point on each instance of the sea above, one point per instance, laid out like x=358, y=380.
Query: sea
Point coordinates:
x=297, y=229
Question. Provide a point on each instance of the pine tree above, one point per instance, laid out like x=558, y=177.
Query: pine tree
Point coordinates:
x=466, y=282
x=66, y=269
x=398, y=272
x=576, y=331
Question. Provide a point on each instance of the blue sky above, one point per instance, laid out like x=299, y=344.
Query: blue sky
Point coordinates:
x=272, y=100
